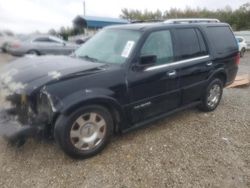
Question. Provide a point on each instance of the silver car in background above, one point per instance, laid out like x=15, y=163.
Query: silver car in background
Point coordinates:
x=41, y=45
x=6, y=37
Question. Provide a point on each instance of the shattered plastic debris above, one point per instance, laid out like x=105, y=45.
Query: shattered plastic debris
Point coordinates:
x=7, y=126
x=7, y=79
x=44, y=91
x=7, y=76
x=55, y=74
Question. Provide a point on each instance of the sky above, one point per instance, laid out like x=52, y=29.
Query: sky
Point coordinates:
x=25, y=16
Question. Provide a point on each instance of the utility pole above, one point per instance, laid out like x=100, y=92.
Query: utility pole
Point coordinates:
x=84, y=8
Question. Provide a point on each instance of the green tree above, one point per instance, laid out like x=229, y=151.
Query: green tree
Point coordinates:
x=239, y=19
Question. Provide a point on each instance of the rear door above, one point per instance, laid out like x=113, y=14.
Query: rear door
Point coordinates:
x=194, y=62
x=155, y=89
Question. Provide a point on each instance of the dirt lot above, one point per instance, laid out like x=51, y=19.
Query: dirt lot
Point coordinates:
x=188, y=149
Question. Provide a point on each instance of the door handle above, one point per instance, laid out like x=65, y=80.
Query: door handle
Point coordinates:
x=209, y=64
x=171, y=74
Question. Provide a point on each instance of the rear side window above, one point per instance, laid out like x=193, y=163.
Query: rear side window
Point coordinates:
x=222, y=39
x=189, y=43
x=44, y=39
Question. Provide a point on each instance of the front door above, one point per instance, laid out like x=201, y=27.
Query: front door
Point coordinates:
x=154, y=90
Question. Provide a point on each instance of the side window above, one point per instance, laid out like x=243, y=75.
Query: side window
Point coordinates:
x=189, y=43
x=41, y=39
x=45, y=39
x=159, y=43
x=54, y=41
x=239, y=39
x=222, y=39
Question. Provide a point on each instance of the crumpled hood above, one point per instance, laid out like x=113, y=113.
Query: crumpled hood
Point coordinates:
x=34, y=72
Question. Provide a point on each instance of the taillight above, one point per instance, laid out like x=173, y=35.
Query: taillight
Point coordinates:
x=15, y=45
x=237, y=59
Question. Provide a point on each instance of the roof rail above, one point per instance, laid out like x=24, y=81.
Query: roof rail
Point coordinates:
x=146, y=21
x=192, y=20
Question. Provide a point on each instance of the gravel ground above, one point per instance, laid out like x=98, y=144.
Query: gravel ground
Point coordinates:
x=188, y=149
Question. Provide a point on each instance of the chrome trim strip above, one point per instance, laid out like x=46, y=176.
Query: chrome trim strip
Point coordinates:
x=176, y=63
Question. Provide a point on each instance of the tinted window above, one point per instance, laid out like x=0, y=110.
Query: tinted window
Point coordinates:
x=189, y=43
x=222, y=39
x=44, y=39
x=203, y=48
x=159, y=44
x=239, y=39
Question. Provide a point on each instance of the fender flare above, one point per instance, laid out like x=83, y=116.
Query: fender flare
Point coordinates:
x=78, y=99
x=218, y=72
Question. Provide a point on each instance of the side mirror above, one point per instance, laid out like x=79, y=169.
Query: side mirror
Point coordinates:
x=148, y=60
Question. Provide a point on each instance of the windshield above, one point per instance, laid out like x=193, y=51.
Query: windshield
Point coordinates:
x=109, y=46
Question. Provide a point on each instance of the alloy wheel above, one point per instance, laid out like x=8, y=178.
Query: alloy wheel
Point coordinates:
x=88, y=131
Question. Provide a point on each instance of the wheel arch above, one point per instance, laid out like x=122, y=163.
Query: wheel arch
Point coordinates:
x=221, y=74
x=34, y=50
x=110, y=104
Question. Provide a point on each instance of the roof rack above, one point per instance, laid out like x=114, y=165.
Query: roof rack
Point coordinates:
x=191, y=20
x=147, y=21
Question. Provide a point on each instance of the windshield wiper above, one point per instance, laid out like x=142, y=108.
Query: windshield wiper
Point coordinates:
x=89, y=58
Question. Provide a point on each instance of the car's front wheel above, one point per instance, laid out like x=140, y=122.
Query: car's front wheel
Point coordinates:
x=212, y=96
x=85, y=132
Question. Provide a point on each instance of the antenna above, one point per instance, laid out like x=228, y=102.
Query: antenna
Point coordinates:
x=84, y=8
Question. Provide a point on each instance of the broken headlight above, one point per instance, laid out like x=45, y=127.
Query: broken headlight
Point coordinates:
x=44, y=108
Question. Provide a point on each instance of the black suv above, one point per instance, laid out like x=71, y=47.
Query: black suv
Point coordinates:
x=121, y=79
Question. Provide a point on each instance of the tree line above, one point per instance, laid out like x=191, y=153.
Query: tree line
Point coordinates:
x=239, y=18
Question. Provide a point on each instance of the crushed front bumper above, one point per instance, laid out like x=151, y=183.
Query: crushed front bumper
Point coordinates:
x=15, y=132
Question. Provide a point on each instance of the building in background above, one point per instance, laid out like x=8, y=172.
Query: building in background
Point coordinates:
x=91, y=24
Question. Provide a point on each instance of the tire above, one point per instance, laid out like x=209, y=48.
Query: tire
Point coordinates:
x=4, y=47
x=85, y=132
x=212, y=96
x=242, y=52
x=33, y=52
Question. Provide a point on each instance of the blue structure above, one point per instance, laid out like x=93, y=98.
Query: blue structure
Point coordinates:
x=93, y=22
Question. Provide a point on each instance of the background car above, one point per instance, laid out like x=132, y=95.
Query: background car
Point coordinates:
x=242, y=45
x=5, y=38
x=82, y=40
x=41, y=45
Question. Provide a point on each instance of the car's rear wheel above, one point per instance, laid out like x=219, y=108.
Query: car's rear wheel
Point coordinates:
x=212, y=95
x=242, y=52
x=85, y=132
x=33, y=52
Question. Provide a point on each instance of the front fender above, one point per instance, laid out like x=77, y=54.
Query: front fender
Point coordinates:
x=89, y=96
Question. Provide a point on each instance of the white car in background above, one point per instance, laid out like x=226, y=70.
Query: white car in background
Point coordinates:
x=242, y=45
x=6, y=37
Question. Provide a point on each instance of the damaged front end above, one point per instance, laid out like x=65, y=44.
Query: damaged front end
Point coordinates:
x=24, y=115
